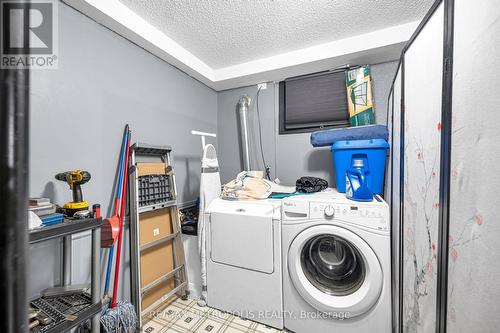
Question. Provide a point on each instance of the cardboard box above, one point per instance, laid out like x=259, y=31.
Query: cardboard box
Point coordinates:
x=155, y=224
x=157, y=293
x=158, y=260
x=151, y=168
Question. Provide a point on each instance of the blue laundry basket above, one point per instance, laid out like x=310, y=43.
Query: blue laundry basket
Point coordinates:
x=373, y=152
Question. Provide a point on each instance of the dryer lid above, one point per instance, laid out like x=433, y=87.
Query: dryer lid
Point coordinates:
x=242, y=235
x=267, y=207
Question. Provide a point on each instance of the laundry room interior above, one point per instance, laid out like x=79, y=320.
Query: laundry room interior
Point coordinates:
x=253, y=166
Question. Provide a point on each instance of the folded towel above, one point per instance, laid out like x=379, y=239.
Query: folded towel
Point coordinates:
x=249, y=185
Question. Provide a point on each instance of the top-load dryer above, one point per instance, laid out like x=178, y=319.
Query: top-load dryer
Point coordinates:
x=244, y=259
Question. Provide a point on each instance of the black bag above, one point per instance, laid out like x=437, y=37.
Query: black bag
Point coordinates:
x=310, y=184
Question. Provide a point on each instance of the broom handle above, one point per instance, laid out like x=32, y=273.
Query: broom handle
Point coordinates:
x=125, y=142
x=117, y=204
x=122, y=213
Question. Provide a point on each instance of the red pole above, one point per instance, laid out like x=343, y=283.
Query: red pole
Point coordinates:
x=122, y=213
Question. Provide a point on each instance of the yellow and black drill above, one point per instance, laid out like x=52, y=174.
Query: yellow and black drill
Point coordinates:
x=75, y=179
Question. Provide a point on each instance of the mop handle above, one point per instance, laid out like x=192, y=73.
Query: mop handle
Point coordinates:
x=122, y=164
x=120, y=233
x=117, y=205
x=110, y=263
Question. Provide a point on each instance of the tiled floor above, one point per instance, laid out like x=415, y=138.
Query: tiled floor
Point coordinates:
x=186, y=317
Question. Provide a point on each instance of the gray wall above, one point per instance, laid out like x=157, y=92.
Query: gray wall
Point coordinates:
x=78, y=113
x=290, y=156
x=228, y=139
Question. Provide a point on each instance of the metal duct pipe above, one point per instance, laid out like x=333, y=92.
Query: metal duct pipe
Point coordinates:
x=243, y=107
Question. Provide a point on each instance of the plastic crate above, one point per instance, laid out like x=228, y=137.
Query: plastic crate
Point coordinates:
x=64, y=311
x=154, y=189
x=374, y=152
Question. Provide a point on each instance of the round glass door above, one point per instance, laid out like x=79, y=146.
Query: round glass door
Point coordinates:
x=333, y=265
x=335, y=270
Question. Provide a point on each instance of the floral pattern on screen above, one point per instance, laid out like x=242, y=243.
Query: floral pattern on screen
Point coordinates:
x=421, y=209
x=421, y=174
x=474, y=237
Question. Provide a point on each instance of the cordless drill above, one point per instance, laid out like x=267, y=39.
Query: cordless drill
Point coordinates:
x=75, y=179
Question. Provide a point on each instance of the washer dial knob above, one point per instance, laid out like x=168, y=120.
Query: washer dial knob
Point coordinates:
x=329, y=211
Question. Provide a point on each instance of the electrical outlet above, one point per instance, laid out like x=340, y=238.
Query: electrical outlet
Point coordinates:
x=262, y=86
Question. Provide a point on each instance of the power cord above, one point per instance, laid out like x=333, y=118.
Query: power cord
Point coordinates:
x=266, y=168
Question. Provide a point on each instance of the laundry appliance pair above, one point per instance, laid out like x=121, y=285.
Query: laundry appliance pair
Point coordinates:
x=307, y=263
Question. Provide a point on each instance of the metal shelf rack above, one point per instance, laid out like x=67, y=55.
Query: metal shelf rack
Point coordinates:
x=65, y=325
x=64, y=230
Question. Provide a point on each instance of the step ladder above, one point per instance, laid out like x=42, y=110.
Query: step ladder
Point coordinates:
x=153, y=205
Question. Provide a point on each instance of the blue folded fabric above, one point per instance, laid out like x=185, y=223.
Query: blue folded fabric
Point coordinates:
x=329, y=137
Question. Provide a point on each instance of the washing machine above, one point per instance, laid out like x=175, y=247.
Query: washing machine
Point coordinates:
x=336, y=264
x=244, y=273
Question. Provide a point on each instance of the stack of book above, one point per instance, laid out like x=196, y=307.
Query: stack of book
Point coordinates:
x=46, y=211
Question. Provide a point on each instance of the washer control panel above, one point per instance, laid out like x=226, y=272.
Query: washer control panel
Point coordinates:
x=368, y=215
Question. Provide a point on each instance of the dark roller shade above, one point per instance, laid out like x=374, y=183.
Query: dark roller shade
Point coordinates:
x=314, y=101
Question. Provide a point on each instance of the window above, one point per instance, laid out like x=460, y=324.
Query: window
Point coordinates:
x=312, y=102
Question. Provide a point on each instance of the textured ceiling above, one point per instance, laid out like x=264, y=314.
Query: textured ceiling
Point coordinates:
x=228, y=32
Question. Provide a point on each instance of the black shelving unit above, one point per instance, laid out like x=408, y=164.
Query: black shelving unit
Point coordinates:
x=68, y=227
x=64, y=231
x=65, y=325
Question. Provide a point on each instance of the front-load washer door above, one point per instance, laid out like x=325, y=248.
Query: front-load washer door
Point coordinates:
x=335, y=271
x=243, y=236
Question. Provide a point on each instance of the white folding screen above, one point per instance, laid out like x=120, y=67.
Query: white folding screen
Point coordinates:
x=388, y=170
x=388, y=198
x=395, y=191
x=422, y=88
x=474, y=234
x=446, y=257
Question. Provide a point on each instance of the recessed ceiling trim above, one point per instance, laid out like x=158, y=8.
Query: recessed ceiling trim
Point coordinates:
x=377, y=46
x=368, y=41
x=125, y=22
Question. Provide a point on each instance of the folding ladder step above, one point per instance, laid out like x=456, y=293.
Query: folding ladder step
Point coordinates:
x=169, y=295
x=165, y=204
x=159, y=241
x=161, y=279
